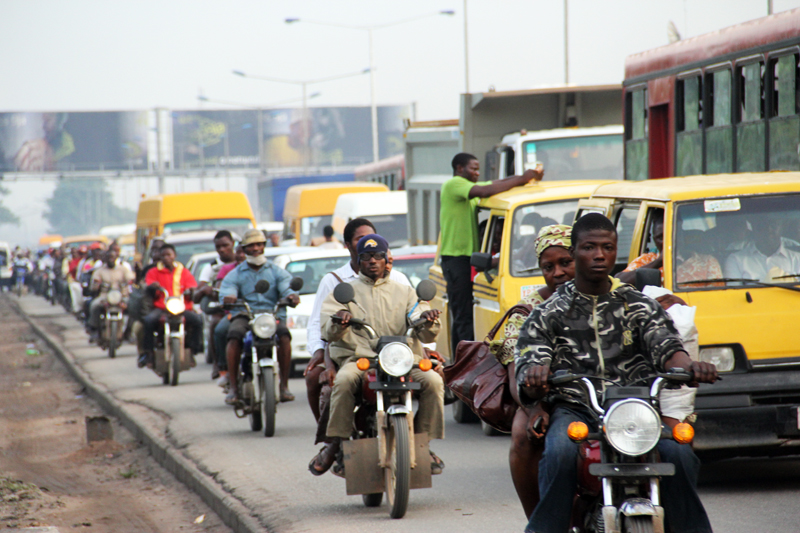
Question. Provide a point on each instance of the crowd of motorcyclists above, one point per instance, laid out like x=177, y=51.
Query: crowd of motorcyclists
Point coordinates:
x=583, y=322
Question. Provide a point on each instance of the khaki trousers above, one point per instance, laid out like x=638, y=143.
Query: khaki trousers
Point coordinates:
x=429, y=418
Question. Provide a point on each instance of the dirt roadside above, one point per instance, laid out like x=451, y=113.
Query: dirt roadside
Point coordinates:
x=51, y=476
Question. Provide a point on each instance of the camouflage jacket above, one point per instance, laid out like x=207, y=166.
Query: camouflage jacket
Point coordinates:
x=622, y=335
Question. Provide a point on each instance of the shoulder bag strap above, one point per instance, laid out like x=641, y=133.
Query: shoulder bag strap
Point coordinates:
x=519, y=308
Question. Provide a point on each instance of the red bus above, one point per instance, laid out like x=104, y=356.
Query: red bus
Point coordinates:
x=390, y=171
x=727, y=101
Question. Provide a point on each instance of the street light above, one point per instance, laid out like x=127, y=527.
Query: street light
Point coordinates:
x=369, y=30
x=304, y=84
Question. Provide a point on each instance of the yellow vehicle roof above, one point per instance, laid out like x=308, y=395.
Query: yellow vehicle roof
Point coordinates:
x=206, y=205
x=47, y=239
x=320, y=198
x=86, y=238
x=695, y=187
x=542, y=191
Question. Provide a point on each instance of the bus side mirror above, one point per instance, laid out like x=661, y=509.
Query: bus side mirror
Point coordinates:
x=481, y=261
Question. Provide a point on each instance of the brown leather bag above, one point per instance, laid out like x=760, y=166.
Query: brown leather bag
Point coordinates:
x=481, y=382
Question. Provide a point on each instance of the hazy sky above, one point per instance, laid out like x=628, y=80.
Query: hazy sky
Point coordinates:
x=126, y=54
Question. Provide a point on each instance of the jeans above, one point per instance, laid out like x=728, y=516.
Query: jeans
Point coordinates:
x=458, y=275
x=558, y=478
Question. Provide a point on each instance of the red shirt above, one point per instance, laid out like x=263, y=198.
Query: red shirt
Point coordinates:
x=174, y=281
x=73, y=266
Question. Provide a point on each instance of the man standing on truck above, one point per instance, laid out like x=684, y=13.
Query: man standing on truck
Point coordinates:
x=459, y=234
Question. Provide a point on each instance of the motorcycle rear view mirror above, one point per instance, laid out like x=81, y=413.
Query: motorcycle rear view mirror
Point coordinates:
x=296, y=284
x=426, y=290
x=262, y=286
x=344, y=293
x=647, y=276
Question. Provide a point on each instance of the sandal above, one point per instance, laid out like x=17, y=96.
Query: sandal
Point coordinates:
x=323, y=461
x=437, y=465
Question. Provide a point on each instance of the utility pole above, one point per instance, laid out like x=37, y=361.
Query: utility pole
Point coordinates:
x=466, y=51
x=566, y=42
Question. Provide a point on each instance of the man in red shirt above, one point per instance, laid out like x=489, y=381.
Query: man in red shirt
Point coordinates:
x=170, y=275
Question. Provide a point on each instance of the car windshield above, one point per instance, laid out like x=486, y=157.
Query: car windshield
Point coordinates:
x=415, y=268
x=736, y=240
x=234, y=225
x=528, y=220
x=313, y=270
x=198, y=266
x=596, y=157
x=185, y=250
x=393, y=228
x=311, y=227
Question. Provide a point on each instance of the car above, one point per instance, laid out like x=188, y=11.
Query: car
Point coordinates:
x=190, y=243
x=414, y=262
x=311, y=265
x=5, y=264
x=196, y=263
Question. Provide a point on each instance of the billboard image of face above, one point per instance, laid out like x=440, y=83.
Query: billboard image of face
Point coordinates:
x=46, y=142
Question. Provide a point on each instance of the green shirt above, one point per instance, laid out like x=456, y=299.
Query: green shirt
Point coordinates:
x=457, y=217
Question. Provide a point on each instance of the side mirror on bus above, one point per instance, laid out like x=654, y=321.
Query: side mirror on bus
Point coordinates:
x=481, y=261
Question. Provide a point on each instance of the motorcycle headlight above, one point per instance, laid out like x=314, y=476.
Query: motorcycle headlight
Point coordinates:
x=297, y=321
x=396, y=359
x=632, y=427
x=175, y=305
x=263, y=326
x=721, y=357
x=114, y=297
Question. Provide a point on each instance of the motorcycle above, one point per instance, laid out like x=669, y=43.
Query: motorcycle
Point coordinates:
x=258, y=371
x=171, y=357
x=49, y=286
x=20, y=271
x=619, y=466
x=111, y=323
x=381, y=455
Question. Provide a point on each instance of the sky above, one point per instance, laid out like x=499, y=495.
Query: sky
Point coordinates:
x=94, y=55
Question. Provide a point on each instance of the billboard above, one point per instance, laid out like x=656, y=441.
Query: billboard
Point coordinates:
x=62, y=141
x=336, y=136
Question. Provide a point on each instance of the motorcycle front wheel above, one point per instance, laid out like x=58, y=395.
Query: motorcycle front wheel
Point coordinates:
x=112, y=340
x=254, y=410
x=175, y=349
x=398, y=473
x=268, y=401
x=638, y=524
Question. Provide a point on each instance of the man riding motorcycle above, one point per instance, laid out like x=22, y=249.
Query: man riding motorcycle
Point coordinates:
x=390, y=307
x=240, y=283
x=598, y=326
x=112, y=275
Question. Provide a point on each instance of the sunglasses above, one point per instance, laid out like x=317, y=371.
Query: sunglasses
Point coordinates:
x=366, y=256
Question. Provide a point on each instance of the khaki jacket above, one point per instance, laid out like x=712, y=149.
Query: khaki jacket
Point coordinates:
x=387, y=304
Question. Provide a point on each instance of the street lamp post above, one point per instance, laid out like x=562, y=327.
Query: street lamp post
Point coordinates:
x=304, y=85
x=369, y=30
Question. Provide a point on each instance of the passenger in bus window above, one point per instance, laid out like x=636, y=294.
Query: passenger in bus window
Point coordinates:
x=694, y=263
x=648, y=259
x=767, y=257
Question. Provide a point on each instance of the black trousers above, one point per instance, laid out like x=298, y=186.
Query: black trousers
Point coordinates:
x=193, y=326
x=458, y=275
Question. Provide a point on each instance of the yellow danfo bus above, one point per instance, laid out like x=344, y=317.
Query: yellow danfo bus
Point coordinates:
x=194, y=211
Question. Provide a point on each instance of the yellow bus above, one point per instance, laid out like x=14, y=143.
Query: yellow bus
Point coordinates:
x=84, y=240
x=50, y=241
x=309, y=208
x=194, y=211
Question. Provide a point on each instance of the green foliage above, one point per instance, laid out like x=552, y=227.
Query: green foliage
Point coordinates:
x=6, y=215
x=81, y=206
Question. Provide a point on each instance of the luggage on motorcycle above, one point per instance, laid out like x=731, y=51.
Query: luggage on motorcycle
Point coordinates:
x=481, y=382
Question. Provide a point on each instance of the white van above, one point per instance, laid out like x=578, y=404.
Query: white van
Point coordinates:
x=5, y=264
x=386, y=210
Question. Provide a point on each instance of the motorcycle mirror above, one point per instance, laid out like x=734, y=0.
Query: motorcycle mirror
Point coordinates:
x=647, y=276
x=296, y=284
x=262, y=286
x=426, y=290
x=344, y=293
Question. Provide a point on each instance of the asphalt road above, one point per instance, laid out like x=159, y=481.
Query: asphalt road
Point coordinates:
x=270, y=476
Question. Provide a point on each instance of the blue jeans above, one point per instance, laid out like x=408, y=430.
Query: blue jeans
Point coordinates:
x=558, y=479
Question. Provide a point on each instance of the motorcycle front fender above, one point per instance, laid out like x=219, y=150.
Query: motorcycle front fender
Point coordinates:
x=266, y=362
x=398, y=409
x=638, y=507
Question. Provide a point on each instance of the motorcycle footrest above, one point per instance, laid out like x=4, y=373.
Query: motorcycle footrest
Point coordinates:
x=395, y=385
x=631, y=469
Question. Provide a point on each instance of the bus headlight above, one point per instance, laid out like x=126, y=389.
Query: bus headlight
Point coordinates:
x=264, y=326
x=114, y=297
x=175, y=305
x=721, y=357
x=632, y=427
x=396, y=359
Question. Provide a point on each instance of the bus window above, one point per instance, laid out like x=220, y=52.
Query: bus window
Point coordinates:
x=689, y=149
x=626, y=223
x=636, y=162
x=719, y=129
x=784, y=124
x=750, y=130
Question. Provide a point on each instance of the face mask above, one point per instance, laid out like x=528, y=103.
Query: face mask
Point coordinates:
x=255, y=260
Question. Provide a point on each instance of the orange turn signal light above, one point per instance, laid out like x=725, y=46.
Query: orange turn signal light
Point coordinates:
x=578, y=431
x=425, y=365
x=363, y=363
x=683, y=433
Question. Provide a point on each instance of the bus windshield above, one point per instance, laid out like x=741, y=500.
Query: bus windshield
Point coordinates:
x=234, y=225
x=528, y=220
x=596, y=157
x=736, y=241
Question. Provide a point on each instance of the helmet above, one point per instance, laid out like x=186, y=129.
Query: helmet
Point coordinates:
x=83, y=249
x=96, y=246
x=253, y=236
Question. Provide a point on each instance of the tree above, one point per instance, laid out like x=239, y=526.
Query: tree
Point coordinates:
x=83, y=206
x=6, y=215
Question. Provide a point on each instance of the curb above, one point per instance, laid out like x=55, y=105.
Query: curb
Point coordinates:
x=230, y=510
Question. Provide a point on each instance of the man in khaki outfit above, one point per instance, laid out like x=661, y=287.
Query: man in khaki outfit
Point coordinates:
x=388, y=307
